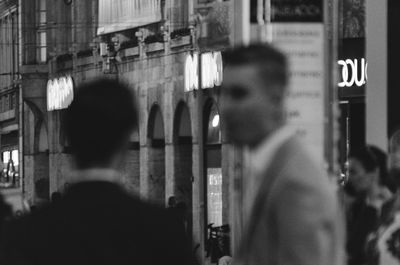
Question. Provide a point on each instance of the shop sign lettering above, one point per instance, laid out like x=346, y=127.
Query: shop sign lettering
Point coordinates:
x=60, y=92
x=191, y=72
x=211, y=71
x=351, y=74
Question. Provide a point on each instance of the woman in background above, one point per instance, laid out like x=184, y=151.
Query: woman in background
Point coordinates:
x=384, y=245
x=368, y=194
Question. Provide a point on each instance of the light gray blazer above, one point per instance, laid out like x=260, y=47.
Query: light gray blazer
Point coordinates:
x=296, y=218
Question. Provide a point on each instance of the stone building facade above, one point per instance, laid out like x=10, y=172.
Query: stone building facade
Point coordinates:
x=9, y=95
x=169, y=53
x=179, y=148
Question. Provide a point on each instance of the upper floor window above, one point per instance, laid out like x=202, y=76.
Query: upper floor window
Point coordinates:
x=8, y=48
x=13, y=101
x=117, y=15
x=41, y=35
x=8, y=102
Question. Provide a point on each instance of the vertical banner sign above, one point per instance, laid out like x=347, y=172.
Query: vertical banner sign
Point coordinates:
x=297, y=29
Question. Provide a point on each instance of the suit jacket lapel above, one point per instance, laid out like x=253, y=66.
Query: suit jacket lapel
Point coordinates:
x=270, y=176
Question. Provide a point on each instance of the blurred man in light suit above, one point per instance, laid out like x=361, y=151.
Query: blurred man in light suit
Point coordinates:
x=294, y=216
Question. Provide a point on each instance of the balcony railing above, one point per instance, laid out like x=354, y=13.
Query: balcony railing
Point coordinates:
x=117, y=15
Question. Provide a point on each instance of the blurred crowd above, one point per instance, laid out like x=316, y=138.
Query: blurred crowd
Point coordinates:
x=294, y=215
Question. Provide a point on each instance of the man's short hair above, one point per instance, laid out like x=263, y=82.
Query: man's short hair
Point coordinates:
x=99, y=121
x=271, y=63
x=366, y=157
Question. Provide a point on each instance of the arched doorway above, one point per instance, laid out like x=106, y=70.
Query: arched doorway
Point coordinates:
x=183, y=174
x=41, y=178
x=131, y=167
x=212, y=165
x=156, y=156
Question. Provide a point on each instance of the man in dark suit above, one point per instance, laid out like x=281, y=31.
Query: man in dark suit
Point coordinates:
x=96, y=221
x=5, y=212
x=291, y=212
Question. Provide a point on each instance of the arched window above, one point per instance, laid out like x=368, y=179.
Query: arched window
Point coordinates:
x=183, y=166
x=212, y=164
x=156, y=156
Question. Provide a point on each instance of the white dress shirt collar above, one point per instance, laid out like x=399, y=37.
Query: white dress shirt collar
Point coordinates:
x=96, y=174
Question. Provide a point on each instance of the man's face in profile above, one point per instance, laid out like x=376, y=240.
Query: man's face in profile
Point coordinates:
x=247, y=108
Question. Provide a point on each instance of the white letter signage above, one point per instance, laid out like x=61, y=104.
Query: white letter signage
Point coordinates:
x=191, y=75
x=60, y=92
x=351, y=66
x=211, y=71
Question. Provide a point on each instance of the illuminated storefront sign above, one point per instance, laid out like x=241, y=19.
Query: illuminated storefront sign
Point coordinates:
x=191, y=74
x=211, y=70
x=351, y=74
x=60, y=92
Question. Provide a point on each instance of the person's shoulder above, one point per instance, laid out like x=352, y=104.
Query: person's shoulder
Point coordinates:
x=295, y=155
x=29, y=228
x=39, y=218
x=155, y=213
x=298, y=170
x=304, y=161
x=110, y=197
x=304, y=177
x=384, y=193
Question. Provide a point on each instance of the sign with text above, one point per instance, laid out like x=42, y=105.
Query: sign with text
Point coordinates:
x=60, y=93
x=354, y=72
x=211, y=70
x=297, y=10
x=303, y=43
x=350, y=55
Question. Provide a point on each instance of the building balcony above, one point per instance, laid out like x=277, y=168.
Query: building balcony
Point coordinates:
x=7, y=115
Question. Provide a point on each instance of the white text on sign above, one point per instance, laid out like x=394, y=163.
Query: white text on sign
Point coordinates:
x=60, y=92
x=357, y=77
x=211, y=71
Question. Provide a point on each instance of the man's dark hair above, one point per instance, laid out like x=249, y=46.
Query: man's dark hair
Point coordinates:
x=55, y=197
x=366, y=157
x=272, y=63
x=171, y=201
x=99, y=121
x=381, y=157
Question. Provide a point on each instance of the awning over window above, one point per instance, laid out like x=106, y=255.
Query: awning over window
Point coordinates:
x=117, y=15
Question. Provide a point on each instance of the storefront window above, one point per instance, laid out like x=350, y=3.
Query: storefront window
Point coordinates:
x=214, y=131
x=214, y=196
x=9, y=175
x=41, y=34
x=213, y=168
